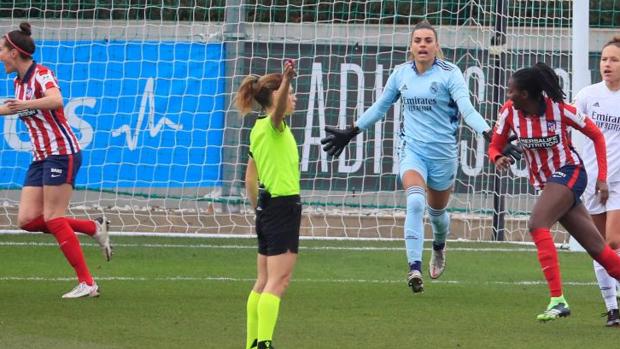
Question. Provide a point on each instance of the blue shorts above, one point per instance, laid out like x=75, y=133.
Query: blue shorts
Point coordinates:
x=438, y=174
x=54, y=170
x=574, y=177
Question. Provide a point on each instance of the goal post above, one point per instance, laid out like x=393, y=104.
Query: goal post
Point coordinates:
x=149, y=85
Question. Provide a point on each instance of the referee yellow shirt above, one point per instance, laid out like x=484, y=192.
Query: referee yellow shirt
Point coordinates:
x=276, y=156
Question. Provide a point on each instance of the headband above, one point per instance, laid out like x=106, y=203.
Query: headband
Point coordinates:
x=22, y=51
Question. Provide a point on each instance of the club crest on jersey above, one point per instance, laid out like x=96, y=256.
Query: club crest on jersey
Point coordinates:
x=29, y=93
x=434, y=87
x=551, y=126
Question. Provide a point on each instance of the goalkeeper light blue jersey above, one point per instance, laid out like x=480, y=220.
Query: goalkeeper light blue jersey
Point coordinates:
x=431, y=103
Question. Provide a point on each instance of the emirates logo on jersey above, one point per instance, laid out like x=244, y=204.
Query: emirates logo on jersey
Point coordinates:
x=538, y=143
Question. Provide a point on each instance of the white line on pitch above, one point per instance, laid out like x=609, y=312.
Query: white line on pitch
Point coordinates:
x=234, y=279
x=235, y=247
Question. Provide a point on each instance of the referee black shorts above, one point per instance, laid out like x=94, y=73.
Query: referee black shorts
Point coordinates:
x=277, y=225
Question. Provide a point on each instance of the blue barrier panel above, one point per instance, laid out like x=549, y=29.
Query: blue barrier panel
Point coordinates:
x=147, y=114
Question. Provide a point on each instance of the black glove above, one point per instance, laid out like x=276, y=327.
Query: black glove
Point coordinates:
x=488, y=135
x=513, y=151
x=337, y=139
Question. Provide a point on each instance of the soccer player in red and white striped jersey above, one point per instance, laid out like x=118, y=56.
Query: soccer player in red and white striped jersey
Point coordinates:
x=537, y=114
x=51, y=176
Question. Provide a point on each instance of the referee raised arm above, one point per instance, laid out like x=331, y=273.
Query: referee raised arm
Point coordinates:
x=272, y=185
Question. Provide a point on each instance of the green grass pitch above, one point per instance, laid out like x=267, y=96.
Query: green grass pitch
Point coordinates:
x=190, y=293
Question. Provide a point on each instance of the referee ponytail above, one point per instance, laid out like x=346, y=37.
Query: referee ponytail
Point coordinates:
x=257, y=90
x=537, y=79
x=21, y=40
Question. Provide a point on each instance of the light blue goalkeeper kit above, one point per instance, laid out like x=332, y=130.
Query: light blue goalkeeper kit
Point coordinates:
x=433, y=103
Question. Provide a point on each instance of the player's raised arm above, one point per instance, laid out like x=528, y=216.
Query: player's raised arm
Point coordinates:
x=337, y=138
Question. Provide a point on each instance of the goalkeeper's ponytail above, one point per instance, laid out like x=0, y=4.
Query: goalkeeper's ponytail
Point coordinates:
x=257, y=90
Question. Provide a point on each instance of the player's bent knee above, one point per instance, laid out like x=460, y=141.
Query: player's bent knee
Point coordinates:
x=416, y=201
x=24, y=222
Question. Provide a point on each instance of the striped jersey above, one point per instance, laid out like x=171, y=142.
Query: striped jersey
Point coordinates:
x=545, y=138
x=49, y=130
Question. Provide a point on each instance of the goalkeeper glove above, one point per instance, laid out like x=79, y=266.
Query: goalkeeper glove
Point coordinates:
x=513, y=151
x=337, y=139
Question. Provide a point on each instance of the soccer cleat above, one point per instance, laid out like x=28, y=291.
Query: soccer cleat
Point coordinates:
x=414, y=280
x=102, y=236
x=265, y=345
x=613, y=318
x=554, y=311
x=83, y=290
x=254, y=344
x=437, y=263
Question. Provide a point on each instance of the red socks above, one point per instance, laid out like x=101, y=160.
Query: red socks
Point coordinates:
x=610, y=261
x=70, y=247
x=37, y=224
x=548, y=258
x=84, y=226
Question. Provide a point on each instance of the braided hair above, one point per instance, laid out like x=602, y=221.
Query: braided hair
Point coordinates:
x=538, y=79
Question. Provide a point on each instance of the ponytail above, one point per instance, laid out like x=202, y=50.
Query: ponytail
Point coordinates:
x=257, y=90
x=537, y=79
x=21, y=40
x=550, y=82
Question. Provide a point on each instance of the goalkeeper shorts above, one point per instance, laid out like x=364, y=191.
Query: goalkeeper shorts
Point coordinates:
x=438, y=174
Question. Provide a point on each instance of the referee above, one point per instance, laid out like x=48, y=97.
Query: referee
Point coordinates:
x=274, y=163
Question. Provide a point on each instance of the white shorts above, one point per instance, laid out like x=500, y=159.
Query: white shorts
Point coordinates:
x=593, y=203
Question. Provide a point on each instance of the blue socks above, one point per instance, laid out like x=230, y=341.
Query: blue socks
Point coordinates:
x=414, y=225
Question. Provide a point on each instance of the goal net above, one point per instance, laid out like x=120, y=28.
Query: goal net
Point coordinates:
x=148, y=89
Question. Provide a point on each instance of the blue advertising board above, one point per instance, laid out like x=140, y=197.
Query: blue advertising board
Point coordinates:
x=146, y=114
